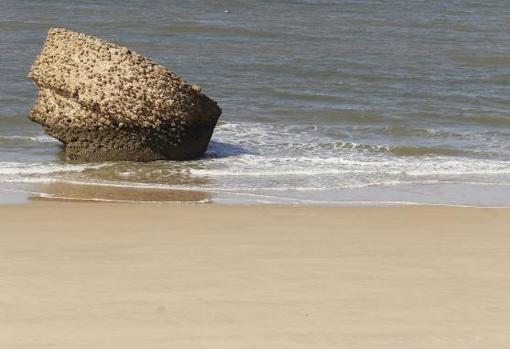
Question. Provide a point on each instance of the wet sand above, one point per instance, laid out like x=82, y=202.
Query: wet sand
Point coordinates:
x=109, y=193
x=98, y=275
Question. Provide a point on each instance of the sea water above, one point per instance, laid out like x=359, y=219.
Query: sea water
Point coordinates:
x=338, y=102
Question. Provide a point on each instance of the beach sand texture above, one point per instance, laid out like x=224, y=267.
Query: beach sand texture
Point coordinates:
x=83, y=275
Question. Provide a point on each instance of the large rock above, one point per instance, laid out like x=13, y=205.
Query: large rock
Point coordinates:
x=106, y=102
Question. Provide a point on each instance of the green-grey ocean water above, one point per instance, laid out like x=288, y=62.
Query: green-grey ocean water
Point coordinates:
x=323, y=101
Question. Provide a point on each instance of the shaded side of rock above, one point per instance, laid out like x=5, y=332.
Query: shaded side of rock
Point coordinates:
x=105, y=102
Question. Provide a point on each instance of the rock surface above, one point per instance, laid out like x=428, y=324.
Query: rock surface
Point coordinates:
x=106, y=102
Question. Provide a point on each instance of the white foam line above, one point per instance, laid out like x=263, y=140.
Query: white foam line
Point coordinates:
x=377, y=203
x=37, y=139
x=311, y=201
x=31, y=168
x=243, y=189
x=102, y=184
x=200, y=188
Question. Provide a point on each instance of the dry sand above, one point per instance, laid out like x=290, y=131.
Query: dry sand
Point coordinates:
x=88, y=275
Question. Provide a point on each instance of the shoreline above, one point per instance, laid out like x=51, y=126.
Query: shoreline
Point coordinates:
x=335, y=205
x=449, y=195
x=265, y=276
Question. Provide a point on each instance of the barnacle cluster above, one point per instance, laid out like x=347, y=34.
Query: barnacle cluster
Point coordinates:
x=106, y=102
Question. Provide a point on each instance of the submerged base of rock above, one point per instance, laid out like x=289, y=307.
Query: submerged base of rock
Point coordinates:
x=105, y=103
x=104, y=140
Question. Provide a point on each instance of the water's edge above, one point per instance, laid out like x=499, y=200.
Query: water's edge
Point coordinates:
x=323, y=101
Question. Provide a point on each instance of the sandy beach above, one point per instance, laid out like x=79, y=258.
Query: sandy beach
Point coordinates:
x=254, y=175
x=89, y=275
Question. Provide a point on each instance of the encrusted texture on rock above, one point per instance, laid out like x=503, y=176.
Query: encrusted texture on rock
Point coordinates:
x=105, y=102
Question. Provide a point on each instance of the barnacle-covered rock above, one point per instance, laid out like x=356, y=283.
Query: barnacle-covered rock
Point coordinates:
x=106, y=102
